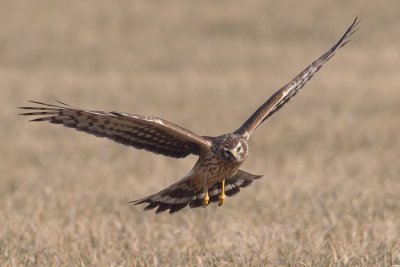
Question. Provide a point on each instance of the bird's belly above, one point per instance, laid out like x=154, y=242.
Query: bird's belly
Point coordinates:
x=218, y=172
x=223, y=173
x=209, y=171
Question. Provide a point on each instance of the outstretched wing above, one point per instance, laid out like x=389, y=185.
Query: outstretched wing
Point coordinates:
x=283, y=95
x=142, y=132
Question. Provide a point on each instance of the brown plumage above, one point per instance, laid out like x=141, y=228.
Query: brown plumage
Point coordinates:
x=216, y=173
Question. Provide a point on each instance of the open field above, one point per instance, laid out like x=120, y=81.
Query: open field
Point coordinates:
x=330, y=195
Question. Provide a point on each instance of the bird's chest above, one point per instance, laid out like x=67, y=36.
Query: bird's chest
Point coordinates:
x=213, y=169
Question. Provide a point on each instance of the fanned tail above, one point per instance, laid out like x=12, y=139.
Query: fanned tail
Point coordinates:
x=181, y=194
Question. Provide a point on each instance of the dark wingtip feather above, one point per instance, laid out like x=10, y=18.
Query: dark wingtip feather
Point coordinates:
x=343, y=44
x=38, y=113
x=349, y=32
x=138, y=201
x=44, y=104
x=43, y=119
x=65, y=104
x=27, y=113
x=38, y=108
x=44, y=109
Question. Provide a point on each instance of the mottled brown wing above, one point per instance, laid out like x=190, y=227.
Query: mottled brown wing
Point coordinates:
x=282, y=96
x=149, y=133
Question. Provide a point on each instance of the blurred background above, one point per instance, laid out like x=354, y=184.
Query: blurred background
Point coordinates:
x=330, y=192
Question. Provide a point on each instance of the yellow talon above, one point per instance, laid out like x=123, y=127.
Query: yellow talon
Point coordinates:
x=221, y=197
x=206, y=199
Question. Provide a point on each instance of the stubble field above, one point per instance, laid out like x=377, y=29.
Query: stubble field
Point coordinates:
x=330, y=158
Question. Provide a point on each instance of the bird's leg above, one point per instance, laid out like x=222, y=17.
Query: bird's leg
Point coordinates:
x=221, y=196
x=206, y=198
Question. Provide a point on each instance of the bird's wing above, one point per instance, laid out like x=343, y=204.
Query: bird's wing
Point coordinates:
x=142, y=132
x=283, y=95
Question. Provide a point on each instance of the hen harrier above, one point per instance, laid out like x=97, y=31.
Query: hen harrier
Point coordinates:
x=216, y=173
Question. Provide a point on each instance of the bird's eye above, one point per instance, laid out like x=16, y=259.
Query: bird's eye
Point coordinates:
x=239, y=148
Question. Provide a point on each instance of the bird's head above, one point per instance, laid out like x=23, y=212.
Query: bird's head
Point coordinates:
x=233, y=149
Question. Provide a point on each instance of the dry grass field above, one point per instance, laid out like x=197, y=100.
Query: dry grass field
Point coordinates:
x=330, y=195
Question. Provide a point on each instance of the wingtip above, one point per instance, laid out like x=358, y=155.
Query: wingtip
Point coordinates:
x=133, y=202
x=345, y=43
x=49, y=105
x=355, y=22
x=62, y=103
x=37, y=102
x=137, y=201
x=41, y=119
x=24, y=114
x=357, y=19
x=345, y=39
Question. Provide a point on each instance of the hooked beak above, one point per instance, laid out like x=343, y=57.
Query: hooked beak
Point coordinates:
x=234, y=154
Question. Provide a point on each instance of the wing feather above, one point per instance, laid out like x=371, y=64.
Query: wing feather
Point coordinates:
x=283, y=95
x=142, y=132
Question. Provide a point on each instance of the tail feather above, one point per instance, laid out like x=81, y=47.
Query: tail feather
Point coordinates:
x=181, y=194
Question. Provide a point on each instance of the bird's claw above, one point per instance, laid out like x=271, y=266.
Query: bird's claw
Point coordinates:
x=221, y=199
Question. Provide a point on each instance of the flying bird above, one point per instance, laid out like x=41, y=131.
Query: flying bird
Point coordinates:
x=216, y=173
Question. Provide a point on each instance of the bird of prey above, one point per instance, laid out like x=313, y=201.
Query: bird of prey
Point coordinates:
x=216, y=173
